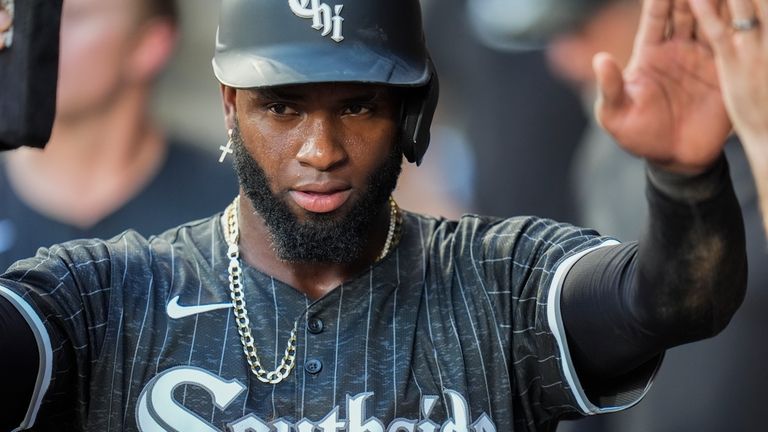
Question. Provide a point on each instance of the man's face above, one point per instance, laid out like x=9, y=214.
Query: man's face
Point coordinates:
x=318, y=162
x=96, y=38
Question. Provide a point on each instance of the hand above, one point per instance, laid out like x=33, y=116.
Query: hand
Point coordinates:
x=742, y=62
x=5, y=24
x=666, y=106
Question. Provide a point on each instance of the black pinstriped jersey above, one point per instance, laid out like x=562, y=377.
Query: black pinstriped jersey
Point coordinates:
x=458, y=329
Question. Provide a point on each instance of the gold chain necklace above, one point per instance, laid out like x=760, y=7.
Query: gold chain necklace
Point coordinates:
x=232, y=236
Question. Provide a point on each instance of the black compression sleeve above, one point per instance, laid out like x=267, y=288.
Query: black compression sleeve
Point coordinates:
x=19, y=363
x=683, y=281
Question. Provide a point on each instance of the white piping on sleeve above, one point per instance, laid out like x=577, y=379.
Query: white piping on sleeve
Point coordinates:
x=555, y=320
x=45, y=354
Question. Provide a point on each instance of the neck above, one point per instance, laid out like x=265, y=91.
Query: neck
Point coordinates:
x=97, y=162
x=315, y=279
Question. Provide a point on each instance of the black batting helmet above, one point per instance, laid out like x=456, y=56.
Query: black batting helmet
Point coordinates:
x=265, y=43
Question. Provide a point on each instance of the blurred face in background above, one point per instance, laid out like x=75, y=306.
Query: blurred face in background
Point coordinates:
x=97, y=39
x=610, y=29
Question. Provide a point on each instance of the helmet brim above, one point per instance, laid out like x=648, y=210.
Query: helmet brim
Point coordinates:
x=329, y=62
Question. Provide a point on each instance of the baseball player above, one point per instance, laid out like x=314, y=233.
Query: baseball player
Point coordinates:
x=314, y=303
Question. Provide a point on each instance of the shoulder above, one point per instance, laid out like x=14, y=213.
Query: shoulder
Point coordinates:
x=525, y=231
x=196, y=237
x=128, y=249
x=499, y=245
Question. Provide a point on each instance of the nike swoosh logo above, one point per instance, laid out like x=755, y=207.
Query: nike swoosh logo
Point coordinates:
x=177, y=311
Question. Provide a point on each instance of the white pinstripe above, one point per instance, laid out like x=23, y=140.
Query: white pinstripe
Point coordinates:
x=493, y=314
x=119, y=332
x=477, y=340
x=394, y=331
x=368, y=327
x=194, y=328
x=114, y=372
x=141, y=333
x=51, y=252
x=304, y=376
x=336, y=353
x=167, y=299
x=221, y=359
x=429, y=317
x=277, y=340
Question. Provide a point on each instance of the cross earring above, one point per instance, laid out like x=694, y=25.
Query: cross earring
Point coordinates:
x=228, y=148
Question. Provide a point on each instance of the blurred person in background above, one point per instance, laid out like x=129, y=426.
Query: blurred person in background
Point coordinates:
x=112, y=166
x=720, y=379
x=517, y=121
x=691, y=192
x=601, y=175
x=443, y=184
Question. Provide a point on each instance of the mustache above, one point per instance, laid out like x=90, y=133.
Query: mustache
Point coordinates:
x=321, y=237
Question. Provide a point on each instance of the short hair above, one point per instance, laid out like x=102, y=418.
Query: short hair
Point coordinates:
x=166, y=9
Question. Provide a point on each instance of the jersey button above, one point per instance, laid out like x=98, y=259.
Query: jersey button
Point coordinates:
x=315, y=325
x=313, y=366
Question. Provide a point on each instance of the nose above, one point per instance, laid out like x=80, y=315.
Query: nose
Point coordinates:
x=323, y=148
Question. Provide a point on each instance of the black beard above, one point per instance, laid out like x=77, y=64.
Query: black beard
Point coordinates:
x=324, y=237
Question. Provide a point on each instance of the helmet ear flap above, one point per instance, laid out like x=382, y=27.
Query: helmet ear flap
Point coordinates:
x=419, y=108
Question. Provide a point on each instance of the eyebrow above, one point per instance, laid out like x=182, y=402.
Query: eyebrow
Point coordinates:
x=277, y=94
x=291, y=95
x=371, y=96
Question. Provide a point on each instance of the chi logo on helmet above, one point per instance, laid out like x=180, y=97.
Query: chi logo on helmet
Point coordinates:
x=321, y=16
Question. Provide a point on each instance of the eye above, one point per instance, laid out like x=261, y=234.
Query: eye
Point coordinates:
x=357, y=109
x=281, y=109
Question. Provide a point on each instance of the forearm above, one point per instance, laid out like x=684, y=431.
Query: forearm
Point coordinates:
x=756, y=148
x=682, y=282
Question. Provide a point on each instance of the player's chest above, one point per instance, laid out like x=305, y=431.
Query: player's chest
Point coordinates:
x=364, y=363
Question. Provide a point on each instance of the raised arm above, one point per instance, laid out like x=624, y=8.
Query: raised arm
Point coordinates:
x=686, y=277
x=682, y=282
x=739, y=40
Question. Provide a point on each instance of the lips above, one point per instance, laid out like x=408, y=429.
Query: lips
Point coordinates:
x=321, y=198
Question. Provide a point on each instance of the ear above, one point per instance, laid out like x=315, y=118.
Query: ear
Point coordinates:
x=229, y=100
x=154, y=46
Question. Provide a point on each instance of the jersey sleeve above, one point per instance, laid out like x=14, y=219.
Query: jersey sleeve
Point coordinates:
x=528, y=259
x=63, y=294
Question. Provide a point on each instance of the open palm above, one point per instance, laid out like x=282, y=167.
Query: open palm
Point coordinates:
x=666, y=106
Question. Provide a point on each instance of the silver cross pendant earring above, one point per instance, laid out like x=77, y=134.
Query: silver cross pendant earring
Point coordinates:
x=228, y=148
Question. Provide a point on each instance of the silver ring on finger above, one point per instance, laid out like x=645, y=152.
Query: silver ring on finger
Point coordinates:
x=745, y=24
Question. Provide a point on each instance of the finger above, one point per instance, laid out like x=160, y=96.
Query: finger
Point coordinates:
x=741, y=9
x=714, y=28
x=762, y=9
x=683, y=22
x=610, y=86
x=653, y=21
x=5, y=21
x=762, y=14
x=5, y=24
